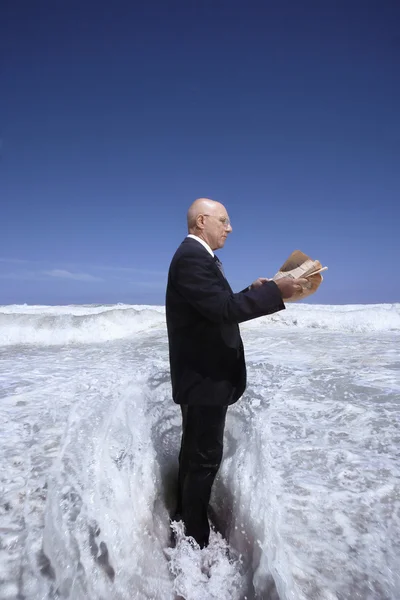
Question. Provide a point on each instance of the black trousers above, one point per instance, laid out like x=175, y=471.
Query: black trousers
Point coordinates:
x=199, y=460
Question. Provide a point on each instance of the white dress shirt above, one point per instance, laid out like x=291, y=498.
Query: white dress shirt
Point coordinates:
x=202, y=242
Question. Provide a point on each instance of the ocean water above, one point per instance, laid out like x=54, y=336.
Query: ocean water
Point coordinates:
x=307, y=501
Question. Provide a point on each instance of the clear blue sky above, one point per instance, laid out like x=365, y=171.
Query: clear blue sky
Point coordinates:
x=116, y=115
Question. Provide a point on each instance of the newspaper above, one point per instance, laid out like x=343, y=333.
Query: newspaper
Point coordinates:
x=299, y=265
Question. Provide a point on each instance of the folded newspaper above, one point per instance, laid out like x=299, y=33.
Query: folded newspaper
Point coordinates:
x=297, y=266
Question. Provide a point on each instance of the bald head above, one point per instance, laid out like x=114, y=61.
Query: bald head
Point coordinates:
x=209, y=220
x=201, y=206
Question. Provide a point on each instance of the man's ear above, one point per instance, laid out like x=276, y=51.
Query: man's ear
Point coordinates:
x=200, y=221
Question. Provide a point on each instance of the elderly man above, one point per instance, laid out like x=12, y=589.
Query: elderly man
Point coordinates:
x=208, y=370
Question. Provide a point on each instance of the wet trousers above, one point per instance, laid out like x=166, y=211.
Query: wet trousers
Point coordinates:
x=199, y=460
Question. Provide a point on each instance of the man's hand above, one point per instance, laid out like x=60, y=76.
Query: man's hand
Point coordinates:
x=258, y=283
x=289, y=287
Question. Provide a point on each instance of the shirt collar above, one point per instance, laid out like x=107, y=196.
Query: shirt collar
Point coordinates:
x=202, y=242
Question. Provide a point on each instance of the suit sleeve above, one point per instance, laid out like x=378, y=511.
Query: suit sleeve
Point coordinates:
x=202, y=288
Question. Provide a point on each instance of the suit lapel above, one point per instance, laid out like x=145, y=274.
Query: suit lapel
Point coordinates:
x=214, y=265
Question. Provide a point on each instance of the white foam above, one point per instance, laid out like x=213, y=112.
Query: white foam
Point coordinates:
x=309, y=485
x=351, y=319
x=72, y=309
x=50, y=325
x=207, y=573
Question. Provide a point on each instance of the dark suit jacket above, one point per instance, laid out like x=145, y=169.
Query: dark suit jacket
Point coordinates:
x=205, y=348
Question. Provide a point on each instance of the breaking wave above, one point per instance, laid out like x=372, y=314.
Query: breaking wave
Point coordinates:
x=54, y=326
x=60, y=325
x=355, y=318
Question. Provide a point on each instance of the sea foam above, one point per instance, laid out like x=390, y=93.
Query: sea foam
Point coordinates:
x=48, y=325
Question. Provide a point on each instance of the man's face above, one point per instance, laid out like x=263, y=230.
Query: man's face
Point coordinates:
x=217, y=226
